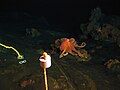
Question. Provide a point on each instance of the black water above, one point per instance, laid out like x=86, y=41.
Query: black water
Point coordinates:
x=67, y=15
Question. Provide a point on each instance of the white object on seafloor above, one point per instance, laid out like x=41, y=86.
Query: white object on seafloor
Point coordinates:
x=21, y=62
x=45, y=59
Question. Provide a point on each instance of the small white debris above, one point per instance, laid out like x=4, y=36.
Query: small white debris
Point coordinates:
x=21, y=62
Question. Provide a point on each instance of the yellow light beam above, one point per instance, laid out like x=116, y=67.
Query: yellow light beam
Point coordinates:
x=10, y=47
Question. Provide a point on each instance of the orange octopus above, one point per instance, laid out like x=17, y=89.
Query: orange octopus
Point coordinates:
x=69, y=46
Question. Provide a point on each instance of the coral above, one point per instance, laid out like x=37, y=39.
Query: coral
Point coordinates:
x=111, y=62
x=109, y=32
x=96, y=20
x=113, y=65
x=102, y=27
x=25, y=83
x=96, y=15
x=32, y=32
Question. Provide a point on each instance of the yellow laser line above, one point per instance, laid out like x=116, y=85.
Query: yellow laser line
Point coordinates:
x=10, y=47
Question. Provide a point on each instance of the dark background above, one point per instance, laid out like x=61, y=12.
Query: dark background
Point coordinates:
x=66, y=14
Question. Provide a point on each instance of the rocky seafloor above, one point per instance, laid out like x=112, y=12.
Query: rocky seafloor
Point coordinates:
x=101, y=71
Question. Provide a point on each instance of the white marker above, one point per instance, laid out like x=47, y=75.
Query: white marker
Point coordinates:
x=45, y=60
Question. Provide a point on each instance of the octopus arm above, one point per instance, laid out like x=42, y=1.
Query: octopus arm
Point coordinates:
x=81, y=46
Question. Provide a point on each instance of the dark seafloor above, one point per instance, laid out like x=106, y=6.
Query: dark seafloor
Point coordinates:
x=67, y=73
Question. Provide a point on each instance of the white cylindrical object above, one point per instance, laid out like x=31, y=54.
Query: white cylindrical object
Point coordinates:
x=45, y=60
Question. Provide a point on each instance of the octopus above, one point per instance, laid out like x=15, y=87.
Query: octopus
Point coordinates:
x=69, y=46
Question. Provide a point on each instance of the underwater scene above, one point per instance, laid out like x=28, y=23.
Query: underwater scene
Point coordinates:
x=35, y=55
